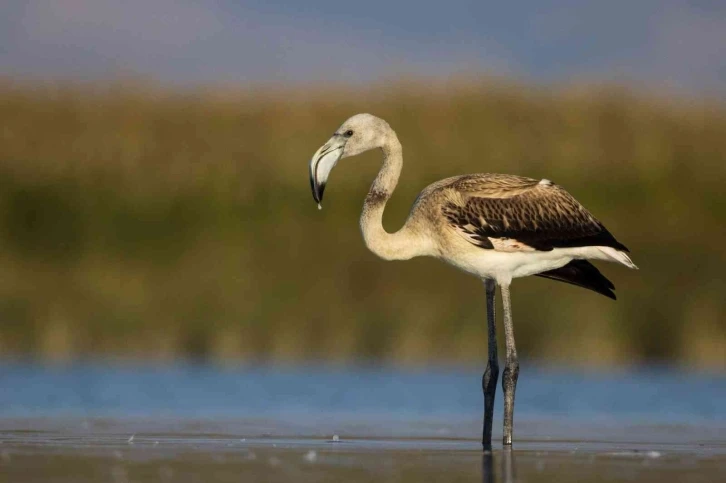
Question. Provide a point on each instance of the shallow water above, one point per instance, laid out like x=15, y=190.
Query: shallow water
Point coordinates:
x=93, y=422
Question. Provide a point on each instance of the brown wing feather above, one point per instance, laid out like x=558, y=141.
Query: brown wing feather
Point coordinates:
x=487, y=209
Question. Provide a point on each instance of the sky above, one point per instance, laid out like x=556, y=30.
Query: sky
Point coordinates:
x=676, y=44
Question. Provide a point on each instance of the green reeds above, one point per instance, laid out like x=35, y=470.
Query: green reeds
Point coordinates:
x=138, y=222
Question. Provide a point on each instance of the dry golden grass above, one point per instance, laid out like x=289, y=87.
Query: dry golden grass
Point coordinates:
x=140, y=222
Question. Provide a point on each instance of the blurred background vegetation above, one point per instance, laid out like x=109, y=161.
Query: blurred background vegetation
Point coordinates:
x=147, y=221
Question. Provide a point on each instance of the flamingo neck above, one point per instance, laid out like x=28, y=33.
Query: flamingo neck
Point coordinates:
x=405, y=243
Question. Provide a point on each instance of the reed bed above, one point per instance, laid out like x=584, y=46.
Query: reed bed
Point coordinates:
x=141, y=222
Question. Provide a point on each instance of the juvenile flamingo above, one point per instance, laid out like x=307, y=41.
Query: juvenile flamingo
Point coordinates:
x=494, y=226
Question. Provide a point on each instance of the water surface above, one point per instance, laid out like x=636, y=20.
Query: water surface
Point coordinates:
x=92, y=422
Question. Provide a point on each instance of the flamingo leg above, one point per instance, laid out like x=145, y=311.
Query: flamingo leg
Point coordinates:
x=511, y=367
x=491, y=375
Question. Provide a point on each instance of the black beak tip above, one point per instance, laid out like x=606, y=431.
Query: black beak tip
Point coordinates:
x=318, y=190
x=319, y=195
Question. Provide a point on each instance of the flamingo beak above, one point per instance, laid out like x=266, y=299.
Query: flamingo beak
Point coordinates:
x=322, y=163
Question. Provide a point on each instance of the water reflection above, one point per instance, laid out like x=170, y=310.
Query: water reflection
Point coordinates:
x=507, y=474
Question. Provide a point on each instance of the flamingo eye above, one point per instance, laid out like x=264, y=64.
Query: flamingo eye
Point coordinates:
x=348, y=133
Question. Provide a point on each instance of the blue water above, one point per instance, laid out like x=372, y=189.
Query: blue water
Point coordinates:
x=96, y=422
x=357, y=393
